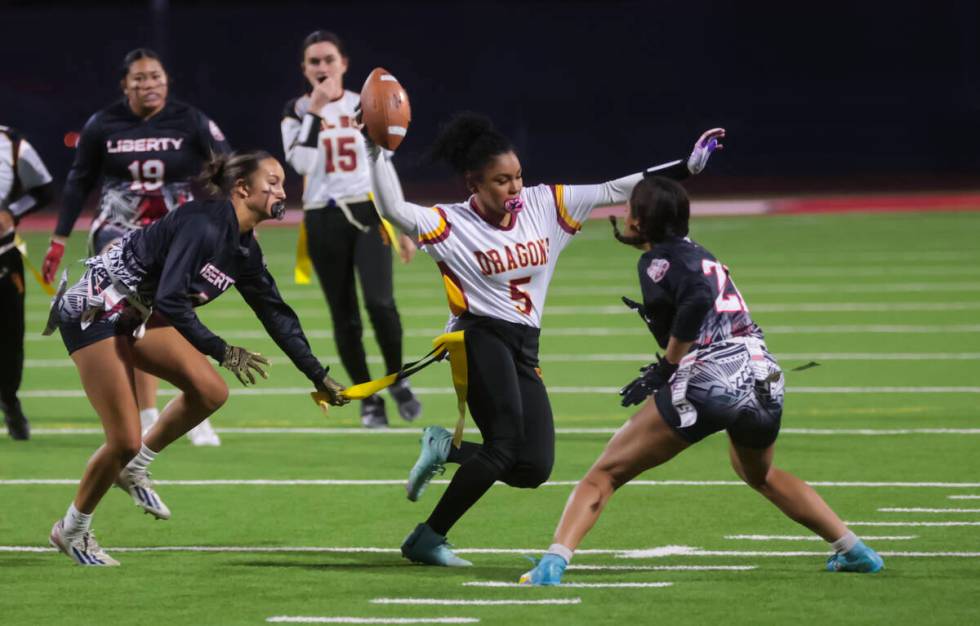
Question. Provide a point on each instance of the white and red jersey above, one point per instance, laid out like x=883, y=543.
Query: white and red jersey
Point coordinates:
x=504, y=273
x=324, y=147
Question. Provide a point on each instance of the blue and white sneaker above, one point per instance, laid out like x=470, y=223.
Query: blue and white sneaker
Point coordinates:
x=83, y=549
x=547, y=571
x=860, y=558
x=137, y=484
x=432, y=458
x=428, y=547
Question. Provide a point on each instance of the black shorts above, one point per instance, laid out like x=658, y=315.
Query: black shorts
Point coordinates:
x=103, y=236
x=124, y=326
x=727, y=396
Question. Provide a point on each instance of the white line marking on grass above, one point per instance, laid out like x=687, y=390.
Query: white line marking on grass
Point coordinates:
x=495, y=583
x=815, y=538
x=622, y=553
x=371, y=432
x=912, y=524
x=314, y=619
x=598, y=331
x=424, y=391
x=666, y=568
x=925, y=510
x=692, y=551
x=442, y=602
x=964, y=497
x=330, y=482
x=634, y=357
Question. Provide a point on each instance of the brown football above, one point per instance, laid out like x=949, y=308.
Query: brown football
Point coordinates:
x=385, y=109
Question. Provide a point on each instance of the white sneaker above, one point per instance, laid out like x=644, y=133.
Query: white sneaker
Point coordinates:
x=83, y=549
x=137, y=484
x=203, y=435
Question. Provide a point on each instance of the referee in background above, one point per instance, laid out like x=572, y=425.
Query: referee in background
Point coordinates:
x=25, y=185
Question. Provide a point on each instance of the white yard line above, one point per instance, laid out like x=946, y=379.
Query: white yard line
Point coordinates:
x=599, y=331
x=912, y=524
x=461, y=602
x=414, y=432
x=314, y=619
x=564, y=585
x=925, y=510
x=329, y=482
x=555, y=390
x=625, y=553
x=638, y=357
x=815, y=538
x=665, y=568
x=692, y=551
x=619, y=309
x=964, y=497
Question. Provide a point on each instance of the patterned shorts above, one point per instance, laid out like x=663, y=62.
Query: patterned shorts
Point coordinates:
x=728, y=393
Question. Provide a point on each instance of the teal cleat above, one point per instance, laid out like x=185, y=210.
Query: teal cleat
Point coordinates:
x=432, y=458
x=860, y=559
x=428, y=547
x=547, y=571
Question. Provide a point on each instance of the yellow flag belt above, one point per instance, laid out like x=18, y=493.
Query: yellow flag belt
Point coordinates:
x=451, y=344
x=22, y=246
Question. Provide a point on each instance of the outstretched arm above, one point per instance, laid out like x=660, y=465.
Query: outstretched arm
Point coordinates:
x=388, y=195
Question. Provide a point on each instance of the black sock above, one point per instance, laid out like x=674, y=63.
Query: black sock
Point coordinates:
x=468, y=485
x=465, y=452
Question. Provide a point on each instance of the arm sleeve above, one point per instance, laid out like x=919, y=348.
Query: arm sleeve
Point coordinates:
x=82, y=176
x=299, y=138
x=659, y=310
x=412, y=219
x=189, y=248
x=34, y=179
x=575, y=202
x=259, y=290
x=212, y=139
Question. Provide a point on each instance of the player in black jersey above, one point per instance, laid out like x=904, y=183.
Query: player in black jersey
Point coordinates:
x=716, y=374
x=134, y=308
x=146, y=148
x=25, y=186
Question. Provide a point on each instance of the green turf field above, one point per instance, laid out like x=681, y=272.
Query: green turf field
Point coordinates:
x=889, y=304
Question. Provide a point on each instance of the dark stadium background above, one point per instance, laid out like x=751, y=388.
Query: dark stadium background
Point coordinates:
x=817, y=97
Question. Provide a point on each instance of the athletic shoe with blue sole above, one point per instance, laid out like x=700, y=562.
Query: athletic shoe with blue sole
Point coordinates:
x=432, y=458
x=428, y=547
x=860, y=558
x=547, y=571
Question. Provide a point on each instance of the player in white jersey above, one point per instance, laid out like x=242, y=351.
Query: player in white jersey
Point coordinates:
x=497, y=252
x=343, y=230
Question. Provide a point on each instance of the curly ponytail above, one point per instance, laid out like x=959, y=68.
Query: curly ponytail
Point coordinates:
x=468, y=142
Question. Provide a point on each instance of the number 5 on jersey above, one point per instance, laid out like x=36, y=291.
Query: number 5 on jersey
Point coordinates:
x=521, y=296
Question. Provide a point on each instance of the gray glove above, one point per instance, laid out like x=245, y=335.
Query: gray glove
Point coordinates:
x=241, y=362
x=332, y=391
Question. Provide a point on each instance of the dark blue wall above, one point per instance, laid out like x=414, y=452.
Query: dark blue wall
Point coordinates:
x=587, y=90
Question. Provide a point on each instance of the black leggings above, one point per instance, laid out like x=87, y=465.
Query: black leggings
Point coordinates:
x=337, y=248
x=510, y=406
x=11, y=325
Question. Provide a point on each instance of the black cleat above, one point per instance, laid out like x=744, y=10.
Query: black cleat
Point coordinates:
x=373, y=412
x=17, y=425
x=409, y=406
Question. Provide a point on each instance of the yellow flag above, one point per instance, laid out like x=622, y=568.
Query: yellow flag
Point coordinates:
x=304, y=266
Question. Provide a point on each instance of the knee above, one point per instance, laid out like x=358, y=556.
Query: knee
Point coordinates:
x=532, y=476
x=757, y=480
x=380, y=307
x=212, y=394
x=125, y=449
x=500, y=454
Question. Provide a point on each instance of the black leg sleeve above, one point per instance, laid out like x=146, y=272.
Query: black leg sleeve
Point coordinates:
x=372, y=258
x=495, y=403
x=330, y=242
x=11, y=326
x=537, y=455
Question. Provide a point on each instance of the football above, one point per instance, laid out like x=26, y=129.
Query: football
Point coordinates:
x=385, y=110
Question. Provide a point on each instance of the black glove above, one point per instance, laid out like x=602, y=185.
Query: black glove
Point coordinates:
x=653, y=376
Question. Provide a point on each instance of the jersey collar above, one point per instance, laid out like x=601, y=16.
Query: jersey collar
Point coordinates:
x=513, y=218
